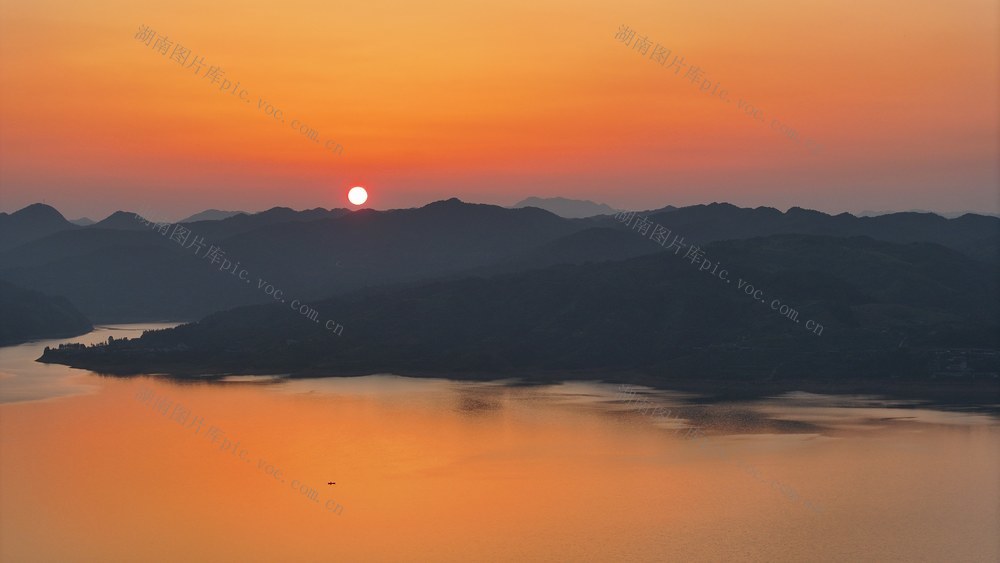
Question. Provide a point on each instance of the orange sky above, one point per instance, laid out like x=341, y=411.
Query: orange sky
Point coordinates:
x=496, y=102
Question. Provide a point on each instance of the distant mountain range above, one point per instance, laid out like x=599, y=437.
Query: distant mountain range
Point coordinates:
x=31, y=223
x=211, y=215
x=481, y=290
x=885, y=312
x=122, y=270
x=977, y=236
x=568, y=208
x=946, y=214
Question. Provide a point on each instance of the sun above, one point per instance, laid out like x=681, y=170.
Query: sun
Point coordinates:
x=357, y=195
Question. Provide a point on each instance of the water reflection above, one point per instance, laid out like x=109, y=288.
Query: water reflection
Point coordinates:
x=433, y=469
x=24, y=379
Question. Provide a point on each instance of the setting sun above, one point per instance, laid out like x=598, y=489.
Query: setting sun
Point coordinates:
x=357, y=195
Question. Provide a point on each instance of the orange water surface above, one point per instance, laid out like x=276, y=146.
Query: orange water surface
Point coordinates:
x=145, y=469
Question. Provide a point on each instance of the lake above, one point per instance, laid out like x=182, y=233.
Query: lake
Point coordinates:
x=386, y=468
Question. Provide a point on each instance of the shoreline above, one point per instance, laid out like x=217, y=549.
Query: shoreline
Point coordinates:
x=977, y=393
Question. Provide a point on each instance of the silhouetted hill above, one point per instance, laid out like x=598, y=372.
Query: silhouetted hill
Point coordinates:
x=33, y=222
x=119, y=275
x=945, y=214
x=234, y=223
x=82, y=221
x=131, y=273
x=211, y=215
x=385, y=247
x=30, y=315
x=568, y=208
x=598, y=244
x=142, y=276
x=975, y=235
x=121, y=221
x=244, y=223
x=886, y=310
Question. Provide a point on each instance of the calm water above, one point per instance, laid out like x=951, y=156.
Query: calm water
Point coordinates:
x=437, y=470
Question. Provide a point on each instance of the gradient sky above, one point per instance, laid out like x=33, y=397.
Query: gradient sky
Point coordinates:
x=495, y=102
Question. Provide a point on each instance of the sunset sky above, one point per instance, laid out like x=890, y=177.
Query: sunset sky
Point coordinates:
x=494, y=102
